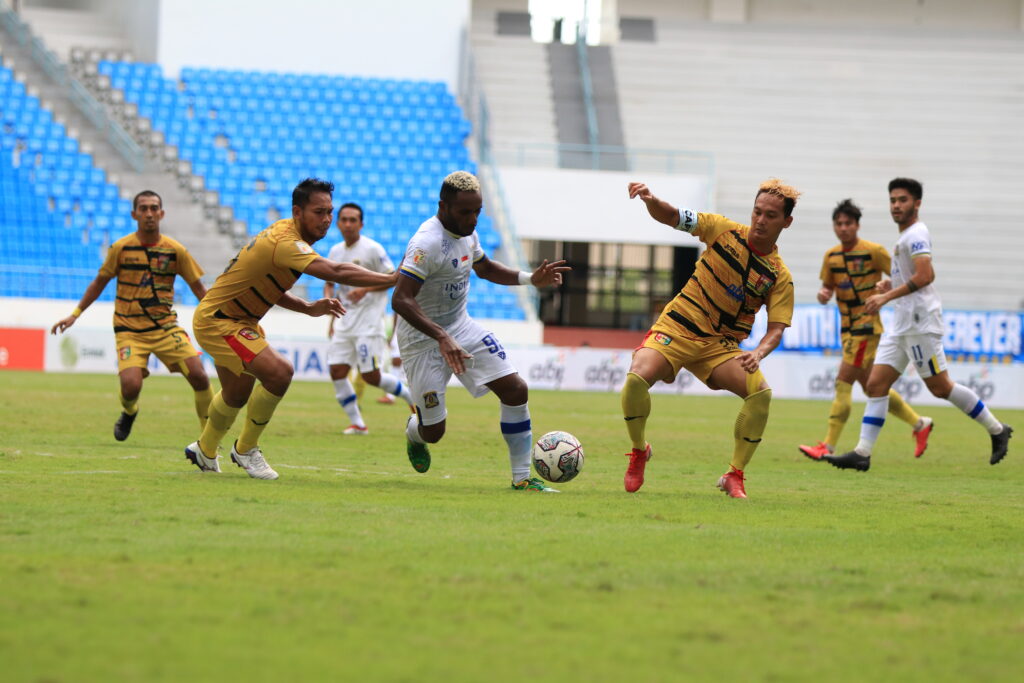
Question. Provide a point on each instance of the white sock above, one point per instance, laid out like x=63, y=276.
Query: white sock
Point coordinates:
x=968, y=401
x=871, y=425
x=412, y=429
x=346, y=396
x=394, y=386
x=516, y=430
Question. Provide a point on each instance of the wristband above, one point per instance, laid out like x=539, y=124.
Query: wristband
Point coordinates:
x=525, y=278
x=77, y=312
x=912, y=287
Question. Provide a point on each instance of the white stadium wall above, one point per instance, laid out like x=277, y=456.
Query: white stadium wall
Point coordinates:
x=386, y=38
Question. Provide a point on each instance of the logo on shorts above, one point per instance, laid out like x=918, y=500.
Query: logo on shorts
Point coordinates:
x=662, y=338
x=124, y=353
x=248, y=333
x=430, y=399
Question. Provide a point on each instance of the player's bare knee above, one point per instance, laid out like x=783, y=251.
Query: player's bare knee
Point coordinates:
x=339, y=371
x=372, y=378
x=432, y=433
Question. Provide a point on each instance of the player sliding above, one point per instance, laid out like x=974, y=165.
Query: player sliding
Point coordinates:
x=145, y=264
x=850, y=271
x=700, y=329
x=437, y=337
x=916, y=335
x=227, y=326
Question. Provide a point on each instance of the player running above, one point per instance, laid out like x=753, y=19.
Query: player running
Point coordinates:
x=145, y=264
x=916, y=335
x=437, y=337
x=851, y=270
x=227, y=324
x=357, y=339
x=700, y=329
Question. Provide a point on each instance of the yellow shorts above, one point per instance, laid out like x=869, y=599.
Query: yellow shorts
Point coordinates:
x=682, y=350
x=859, y=351
x=171, y=346
x=231, y=343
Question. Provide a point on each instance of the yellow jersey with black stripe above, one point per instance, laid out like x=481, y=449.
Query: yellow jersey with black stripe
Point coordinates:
x=853, y=273
x=731, y=282
x=260, y=273
x=145, y=274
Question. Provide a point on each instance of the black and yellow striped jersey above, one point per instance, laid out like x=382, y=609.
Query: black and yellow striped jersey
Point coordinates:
x=853, y=273
x=256, y=278
x=731, y=283
x=145, y=274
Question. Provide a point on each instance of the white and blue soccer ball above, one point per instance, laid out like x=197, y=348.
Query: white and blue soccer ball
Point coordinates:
x=558, y=456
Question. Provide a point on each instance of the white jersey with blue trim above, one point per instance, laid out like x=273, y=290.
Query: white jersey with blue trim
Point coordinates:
x=442, y=262
x=366, y=316
x=919, y=312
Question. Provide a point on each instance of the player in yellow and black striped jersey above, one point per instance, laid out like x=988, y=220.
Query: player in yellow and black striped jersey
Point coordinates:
x=699, y=330
x=851, y=270
x=145, y=264
x=227, y=323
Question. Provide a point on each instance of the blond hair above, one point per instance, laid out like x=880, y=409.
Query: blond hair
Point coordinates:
x=787, y=193
x=460, y=181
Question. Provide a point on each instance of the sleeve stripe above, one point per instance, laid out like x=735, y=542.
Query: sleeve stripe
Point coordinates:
x=410, y=274
x=479, y=258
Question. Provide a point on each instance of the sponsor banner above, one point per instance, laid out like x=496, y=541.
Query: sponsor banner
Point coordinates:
x=985, y=336
x=21, y=348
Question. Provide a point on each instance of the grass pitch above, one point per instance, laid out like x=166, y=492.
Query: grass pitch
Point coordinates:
x=120, y=561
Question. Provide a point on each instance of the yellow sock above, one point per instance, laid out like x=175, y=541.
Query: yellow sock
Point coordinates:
x=221, y=417
x=840, y=411
x=261, y=408
x=901, y=409
x=203, y=399
x=358, y=384
x=130, y=407
x=636, y=406
x=750, y=424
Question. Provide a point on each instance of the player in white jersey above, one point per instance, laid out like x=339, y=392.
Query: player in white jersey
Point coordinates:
x=915, y=335
x=357, y=338
x=437, y=337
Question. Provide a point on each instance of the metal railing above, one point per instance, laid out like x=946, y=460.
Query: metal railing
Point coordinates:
x=587, y=84
x=90, y=107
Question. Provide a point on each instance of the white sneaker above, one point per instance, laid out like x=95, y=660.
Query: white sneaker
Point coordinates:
x=253, y=463
x=196, y=456
x=354, y=429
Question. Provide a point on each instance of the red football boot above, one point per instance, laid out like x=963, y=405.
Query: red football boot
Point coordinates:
x=732, y=483
x=634, y=478
x=816, y=452
x=921, y=437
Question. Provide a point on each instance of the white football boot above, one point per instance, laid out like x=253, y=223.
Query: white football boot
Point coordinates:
x=253, y=463
x=196, y=456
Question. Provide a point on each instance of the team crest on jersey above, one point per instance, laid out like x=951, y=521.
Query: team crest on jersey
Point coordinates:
x=248, y=333
x=430, y=399
x=163, y=261
x=303, y=247
x=662, y=338
x=761, y=285
x=124, y=353
x=419, y=256
x=856, y=265
x=455, y=263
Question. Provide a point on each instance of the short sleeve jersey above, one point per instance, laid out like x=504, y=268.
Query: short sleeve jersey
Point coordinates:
x=366, y=316
x=853, y=274
x=259, y=274
x=731, y=283
x=919, y=312
x=441, y=261
x=145, y=281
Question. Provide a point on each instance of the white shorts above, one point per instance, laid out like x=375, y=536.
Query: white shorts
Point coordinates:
x=923, y=350
x=428, y=374
x=362, y=353
x=393, y=348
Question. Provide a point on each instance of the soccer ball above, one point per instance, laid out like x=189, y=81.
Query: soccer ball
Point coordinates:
x=558, y=456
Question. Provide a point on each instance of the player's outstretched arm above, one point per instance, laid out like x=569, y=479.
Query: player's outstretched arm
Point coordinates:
x=313, y=309
x=546, y=274
x=92, y=292
x=923, y=276
x=349, y=274
x=751, y=360
x=404, y=303
x=660, y=210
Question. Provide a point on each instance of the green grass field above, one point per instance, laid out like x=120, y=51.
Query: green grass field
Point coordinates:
x=122, y=562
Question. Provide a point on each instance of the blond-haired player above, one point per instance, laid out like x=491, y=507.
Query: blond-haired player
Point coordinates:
x=700, y=329
x=851, y=270
x=227, y=324
x=145, y=264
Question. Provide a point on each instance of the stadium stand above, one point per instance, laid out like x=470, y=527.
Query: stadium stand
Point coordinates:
x=250, y=135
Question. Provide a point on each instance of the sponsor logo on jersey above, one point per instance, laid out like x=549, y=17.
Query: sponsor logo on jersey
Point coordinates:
x=303, y=247
x=430, y=399
x=248, y=333
x=662, y=338
x=419, y=256
x=918, y=246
